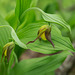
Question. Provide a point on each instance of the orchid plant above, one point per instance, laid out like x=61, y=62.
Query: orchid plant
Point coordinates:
x=21, y=30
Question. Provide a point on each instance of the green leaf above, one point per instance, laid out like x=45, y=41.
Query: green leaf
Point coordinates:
x=12, y=19
x=21, y=6
x=39, y=66
x=7, y=33
x=15, y=37
x=4, y=32
x=11, y=33
x=57, y=19
x=11, y=61
x=29, y=33
x=29, y=18
x=52, y=18
x=4, y=35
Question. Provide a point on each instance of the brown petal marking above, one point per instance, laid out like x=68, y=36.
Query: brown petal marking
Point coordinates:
x=3, y=56
x=9, y=53
x=48, y=37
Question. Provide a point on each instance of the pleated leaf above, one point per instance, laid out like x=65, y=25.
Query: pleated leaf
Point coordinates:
x=39, y=66
x=12, y=19
x=29, y=33
x=52, y=18
x=7, y=33
x=21, y=6
x=57, y=19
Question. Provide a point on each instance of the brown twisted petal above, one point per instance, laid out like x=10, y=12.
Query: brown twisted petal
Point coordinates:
x=48, y=37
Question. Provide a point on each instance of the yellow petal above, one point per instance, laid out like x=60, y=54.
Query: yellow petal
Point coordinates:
x=5, y=53
x=40, y=30
x=43, y=36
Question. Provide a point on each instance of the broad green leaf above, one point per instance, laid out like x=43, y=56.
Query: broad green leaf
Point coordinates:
x=12, y=19
x=11, y=61
x=57, y=19
x=29, y=33
x=39, y=66
x=52, y=18
x=14, y=36
x=33, y=3
x=11, y=33
x=21, y=6
x=7, y=33
x=29, y=18
x=4, y=34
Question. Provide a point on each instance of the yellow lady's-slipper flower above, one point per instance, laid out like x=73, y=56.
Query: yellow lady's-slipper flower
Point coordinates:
x=43, y=29
x=44, y=33
x=7, y=49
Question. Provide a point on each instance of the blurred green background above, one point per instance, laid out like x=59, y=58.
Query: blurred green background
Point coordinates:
x=6, y=6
